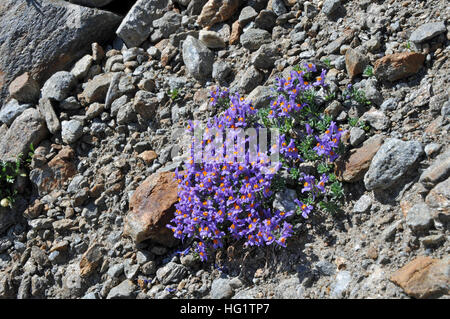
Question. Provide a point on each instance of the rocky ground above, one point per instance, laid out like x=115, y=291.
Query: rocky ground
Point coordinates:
x=107, y=122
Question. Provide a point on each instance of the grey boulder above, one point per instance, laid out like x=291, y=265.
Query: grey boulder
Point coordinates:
x=197, y=58
x=391, y=161
x=46, y=38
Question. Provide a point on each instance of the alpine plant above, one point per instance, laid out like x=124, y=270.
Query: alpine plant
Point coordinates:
x=227, y=188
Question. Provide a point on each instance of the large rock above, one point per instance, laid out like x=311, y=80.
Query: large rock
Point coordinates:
x=136, y=26
x=215, y=11
x=427, y=31
x=353, y=167
x=424, y=277
x=355, y=62
x=397, y=66
x=28, y=128
x=24, y=89
x=392, y=160
x=152, y=208
x=46, y=38
x=197, y=58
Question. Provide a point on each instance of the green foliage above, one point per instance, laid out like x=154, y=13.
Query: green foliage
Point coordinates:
x=174, y=94
x=327, y=62
x=368, y=71
x=356, y=95
x=9, y=172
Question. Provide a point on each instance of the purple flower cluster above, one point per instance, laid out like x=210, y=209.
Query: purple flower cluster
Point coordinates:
x=288, y=150
x=226, y=189
x=220, y=195
x=329, y=142
x=292, y=88
x=310, y=185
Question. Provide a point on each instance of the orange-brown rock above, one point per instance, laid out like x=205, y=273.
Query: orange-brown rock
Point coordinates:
x=34, y=210
x=424, y=277
x=152, y=208
x=215, y=11
x=148, y=156
x=236, y=31
x=90, y=260
x=355, y=62
x=24, y=88
x=398, y=65
x=352, y=167
x=55, y=173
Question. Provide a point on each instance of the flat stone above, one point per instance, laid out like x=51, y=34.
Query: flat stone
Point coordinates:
x=171, y=273
x=439, y=200
x=90, y=260
x=427, y=31
x=424, y=277
x=221, y=289
x=247, y=15
x=82, y=67
x=55, y=173
x=169, y=23
x=211, y=39
x=252, y=39
x=71, y=131
x=362, y=205
x=265, y=57
x=352, y=167
x=438, y=171
x=330, y=7
x=260, y=96
x=376, y=118
x=355, y=62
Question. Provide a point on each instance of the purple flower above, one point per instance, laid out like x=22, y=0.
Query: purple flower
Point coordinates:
x=304, y=208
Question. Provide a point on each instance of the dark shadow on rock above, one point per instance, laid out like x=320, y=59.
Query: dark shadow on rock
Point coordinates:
x=341, y=12
x=36, y=4
x=394, y=193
